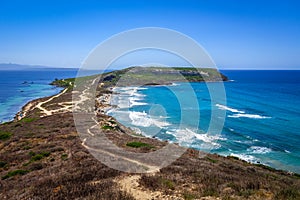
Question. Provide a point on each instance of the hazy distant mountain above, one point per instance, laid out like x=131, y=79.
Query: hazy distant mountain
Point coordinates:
x=11, y=66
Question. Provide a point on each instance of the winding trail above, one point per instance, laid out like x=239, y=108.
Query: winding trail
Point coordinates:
x=45, y=111
x=30, y=106
x=131, y=185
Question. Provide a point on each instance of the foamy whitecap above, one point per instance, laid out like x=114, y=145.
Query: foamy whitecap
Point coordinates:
x=240, y=113
x=187, y=137
x=259, y=150
x=251, y=116
x=183, y=136
x=223, y=107
x=131, y=91
x=248, y=158
x=128, y=97
x=135, y=101
x=144, y=120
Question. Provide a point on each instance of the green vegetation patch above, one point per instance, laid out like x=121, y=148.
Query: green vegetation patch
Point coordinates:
x=14, y=173
x=107, y=127
x=5, y=135
x=36, y=157
x=64, y=82
x=138, y=145
x=64, y=156
x=39, y=156
x=28, y=119
x=233, y=157
x=168, y=183
x=211, y=160
x=188, y=196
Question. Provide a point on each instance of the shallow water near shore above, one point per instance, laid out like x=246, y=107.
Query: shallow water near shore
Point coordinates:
x=262, y=116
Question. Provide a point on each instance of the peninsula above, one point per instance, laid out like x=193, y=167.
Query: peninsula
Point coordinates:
x=43, y=157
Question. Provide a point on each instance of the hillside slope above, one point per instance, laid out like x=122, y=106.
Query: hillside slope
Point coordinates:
x=43, y=157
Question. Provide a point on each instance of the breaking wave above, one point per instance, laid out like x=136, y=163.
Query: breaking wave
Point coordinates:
x=187, y=137
x=142, y=119
x=240, y=114
x=259, y=150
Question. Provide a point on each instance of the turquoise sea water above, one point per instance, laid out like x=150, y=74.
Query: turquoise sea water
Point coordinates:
x=262, y=123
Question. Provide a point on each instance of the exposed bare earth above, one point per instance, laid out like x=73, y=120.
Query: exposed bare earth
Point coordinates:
x=43, y=158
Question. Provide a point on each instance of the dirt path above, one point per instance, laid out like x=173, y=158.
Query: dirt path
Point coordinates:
x=149, y=168
x=45, y=111
x=66, y=106
x=130, y=184
x=32, y=105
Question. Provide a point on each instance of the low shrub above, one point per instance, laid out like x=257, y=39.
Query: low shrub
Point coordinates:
x=168, y=183
x=211, y=160
x=64, y=156
x=14, y=173
x=138, y=144
x=5, y=135
x=39, y=156
x=27, y=119
x=107, y=127
x=188, y=196
x=233, y=157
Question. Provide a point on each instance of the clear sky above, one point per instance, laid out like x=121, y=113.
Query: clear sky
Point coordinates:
x=256, y=34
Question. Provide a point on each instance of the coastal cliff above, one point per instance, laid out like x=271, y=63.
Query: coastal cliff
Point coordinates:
x=43, y=157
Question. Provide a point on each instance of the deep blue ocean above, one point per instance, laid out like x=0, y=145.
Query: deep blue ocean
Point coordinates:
x=262, y=123
x=19, y=87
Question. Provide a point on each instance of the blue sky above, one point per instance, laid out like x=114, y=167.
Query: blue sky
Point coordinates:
x=237, y=34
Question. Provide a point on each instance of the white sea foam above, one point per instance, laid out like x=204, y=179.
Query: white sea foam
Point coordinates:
x=251, y=116
x=187, y=137
x=169, y=132
x=128, y=97
x=144, y=120
x=240, y=113
x=259, y=150
x=248, y=158
x=183, y=136
x=222, y=107
x=243, y=141
x=137, y=130
x=131, y=91
x=135, y=101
